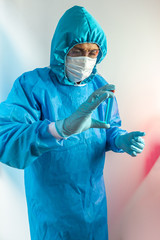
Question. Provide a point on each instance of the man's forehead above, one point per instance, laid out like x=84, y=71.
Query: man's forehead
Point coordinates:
x=87, y=46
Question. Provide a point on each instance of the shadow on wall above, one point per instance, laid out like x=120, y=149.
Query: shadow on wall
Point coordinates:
x=152, y=151
x=141, y=217
x=10, y=64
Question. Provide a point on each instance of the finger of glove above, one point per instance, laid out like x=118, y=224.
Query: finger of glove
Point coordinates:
x=134, y=154
x=137, y=144
x=139, y=139
x=107, y=87
x=97, y=100
x=98, y=124
x=138, y=134
x=100, y=91
x=131, y=153
x=135, y=149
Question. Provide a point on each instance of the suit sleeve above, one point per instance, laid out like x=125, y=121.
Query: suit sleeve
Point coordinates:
x=23, y=135
x=115, y=129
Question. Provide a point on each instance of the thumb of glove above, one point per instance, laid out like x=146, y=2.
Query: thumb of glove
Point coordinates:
x=99, y=124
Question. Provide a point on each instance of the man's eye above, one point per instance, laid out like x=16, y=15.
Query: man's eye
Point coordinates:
x=94, y=52
x=76, y=51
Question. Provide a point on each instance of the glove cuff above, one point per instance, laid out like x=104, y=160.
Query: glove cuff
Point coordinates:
x=59, y=126
x=117, y=141
x=54, y=132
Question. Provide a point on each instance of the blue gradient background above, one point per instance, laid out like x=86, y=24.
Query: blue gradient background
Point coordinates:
x=133, y=65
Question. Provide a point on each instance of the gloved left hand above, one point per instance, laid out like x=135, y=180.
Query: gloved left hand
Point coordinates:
x=131, y=143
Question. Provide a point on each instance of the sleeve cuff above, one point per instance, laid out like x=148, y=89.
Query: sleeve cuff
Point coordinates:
x=53, y=131
x=113, y=146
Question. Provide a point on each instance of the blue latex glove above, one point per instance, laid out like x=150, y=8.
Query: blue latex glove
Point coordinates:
x=81, y=120
x=131, y=143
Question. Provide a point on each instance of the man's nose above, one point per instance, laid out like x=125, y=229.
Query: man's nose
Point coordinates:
x=85, y=53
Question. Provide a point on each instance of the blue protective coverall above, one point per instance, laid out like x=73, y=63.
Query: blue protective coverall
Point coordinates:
x=64, y=182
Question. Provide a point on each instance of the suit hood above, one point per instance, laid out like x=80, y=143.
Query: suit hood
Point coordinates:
x=76, y=26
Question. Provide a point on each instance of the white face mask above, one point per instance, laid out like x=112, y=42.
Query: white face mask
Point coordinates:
x=79, y=68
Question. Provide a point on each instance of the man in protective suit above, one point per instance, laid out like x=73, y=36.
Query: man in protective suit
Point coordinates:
x=53, y=126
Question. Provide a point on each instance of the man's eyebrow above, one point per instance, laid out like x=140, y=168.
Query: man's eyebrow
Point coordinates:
x=79, y=48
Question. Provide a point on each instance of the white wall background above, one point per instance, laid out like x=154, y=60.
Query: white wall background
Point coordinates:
x=132, y=64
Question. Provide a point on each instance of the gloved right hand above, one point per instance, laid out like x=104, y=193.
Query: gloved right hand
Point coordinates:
x=131, y=143
x=81, y=120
